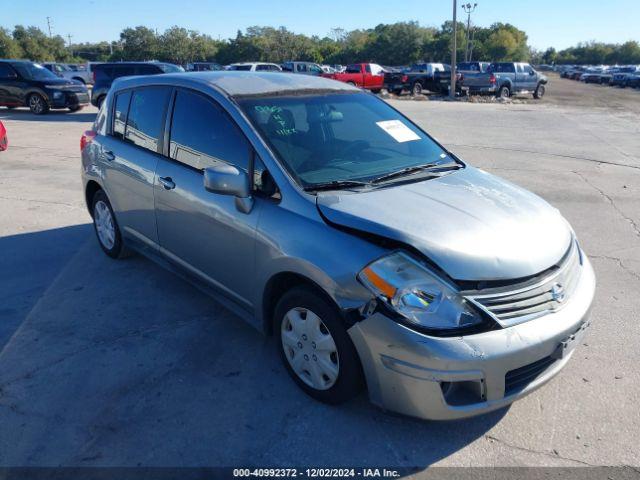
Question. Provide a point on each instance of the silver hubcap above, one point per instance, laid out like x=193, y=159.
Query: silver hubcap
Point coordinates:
x=310, y=349
x=35, y=103
x=104, y=225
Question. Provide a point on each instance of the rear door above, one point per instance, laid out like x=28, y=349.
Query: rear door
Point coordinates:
x=203, y=232
x=9, y=85
x=130, y=154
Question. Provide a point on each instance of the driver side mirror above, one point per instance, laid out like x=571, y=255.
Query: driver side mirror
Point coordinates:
x=225, y=179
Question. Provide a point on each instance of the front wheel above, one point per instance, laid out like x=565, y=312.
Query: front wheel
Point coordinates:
x=539, y=92
x=315, y=347
x=37, y=104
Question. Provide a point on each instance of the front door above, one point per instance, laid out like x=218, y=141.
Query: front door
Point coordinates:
x=202, y=231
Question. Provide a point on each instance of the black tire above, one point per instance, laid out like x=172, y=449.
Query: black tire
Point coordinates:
x=376, y=91
x=539, y=92
x=118, y=249
x=350, y=378
x=416, y=89
x=397, y=92
x=100, y=100
x=504, y=92
x=77, y=108
x=37, y=104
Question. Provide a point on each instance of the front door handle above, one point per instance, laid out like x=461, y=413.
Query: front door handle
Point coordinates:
x=167, y=183
x=108, y=155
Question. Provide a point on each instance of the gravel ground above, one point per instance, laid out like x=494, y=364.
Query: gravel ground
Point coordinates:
x=121, y=363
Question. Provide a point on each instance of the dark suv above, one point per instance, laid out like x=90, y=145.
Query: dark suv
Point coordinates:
x=28, y=84
x=105, y=73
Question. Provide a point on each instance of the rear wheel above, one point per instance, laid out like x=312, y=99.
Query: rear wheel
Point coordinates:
x=416, y=89
x=504, y=92
x=37, y=104
x=76, y=108
x=106, y=227
x=539, y=92
x=315, y=347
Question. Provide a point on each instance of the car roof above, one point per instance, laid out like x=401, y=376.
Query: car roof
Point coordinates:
x=241, y=83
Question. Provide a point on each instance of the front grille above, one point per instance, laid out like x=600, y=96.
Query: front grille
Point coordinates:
x=518, y=379
x=539, y=296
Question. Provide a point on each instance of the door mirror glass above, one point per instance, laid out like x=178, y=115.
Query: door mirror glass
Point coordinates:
x=226, y=180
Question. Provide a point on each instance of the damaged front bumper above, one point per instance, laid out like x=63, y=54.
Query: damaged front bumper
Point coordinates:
x=456, y=377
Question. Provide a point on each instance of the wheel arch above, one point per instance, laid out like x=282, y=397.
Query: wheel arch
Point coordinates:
x=89, y=191
x=278, y=285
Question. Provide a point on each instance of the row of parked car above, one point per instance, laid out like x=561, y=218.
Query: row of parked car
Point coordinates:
x=616, y=76
x=46, y=86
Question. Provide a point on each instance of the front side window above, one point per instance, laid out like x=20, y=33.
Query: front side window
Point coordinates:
x=353, y=69
x=34, y=71
x=203, y=135
x=340, y=137
x=301, y=67
x=146, y=117
x=120, y=113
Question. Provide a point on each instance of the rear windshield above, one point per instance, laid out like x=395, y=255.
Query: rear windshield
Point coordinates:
x=340, y=136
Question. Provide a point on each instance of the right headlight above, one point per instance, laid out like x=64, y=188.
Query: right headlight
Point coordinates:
x=417, y=294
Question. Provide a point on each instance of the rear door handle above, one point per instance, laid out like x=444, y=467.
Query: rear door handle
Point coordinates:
x=167, y=183
x=108, y=155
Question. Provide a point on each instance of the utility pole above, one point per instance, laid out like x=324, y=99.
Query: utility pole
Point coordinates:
x=69, y=38
x=452, y=90
x=468, y=8
x=49, y=25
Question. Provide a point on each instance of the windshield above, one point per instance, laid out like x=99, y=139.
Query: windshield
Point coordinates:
x=340, y=137
x=33, y=71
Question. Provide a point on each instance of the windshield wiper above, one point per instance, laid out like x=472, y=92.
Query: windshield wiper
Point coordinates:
x=334, y=185
x=414, y=169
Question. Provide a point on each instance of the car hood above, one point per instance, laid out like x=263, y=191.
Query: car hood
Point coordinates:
x=473, y=225
x=61, y=82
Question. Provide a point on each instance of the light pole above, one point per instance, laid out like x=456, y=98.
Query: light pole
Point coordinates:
x=468, y=8
x=452, y=89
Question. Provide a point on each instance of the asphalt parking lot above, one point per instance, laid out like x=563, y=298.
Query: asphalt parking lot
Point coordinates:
x=120, y=363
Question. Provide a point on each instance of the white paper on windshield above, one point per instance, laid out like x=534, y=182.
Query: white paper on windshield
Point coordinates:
x=398, y=130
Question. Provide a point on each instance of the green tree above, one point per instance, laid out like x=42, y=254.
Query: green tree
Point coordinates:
x=139, y=43
x=9, y=48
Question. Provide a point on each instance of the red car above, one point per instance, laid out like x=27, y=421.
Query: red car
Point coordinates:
x=4, y=143
x=363, y=75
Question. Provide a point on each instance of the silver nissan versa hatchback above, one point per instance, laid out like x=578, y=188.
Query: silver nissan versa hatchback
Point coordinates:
x=324, y=217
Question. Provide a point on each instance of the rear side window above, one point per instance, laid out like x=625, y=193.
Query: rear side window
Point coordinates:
x=147, y=70
x=6, y=71
x=120, y=113
x=301, y=67
x=503, y=68
x=203, y=135
x=146, y=117
x=123, y=71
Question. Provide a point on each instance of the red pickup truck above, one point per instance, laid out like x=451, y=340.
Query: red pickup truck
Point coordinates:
x=363, y=75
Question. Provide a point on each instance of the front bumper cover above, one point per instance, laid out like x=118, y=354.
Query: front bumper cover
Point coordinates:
x=410, y=373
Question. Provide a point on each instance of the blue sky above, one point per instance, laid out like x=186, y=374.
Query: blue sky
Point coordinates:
x=559, y=23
